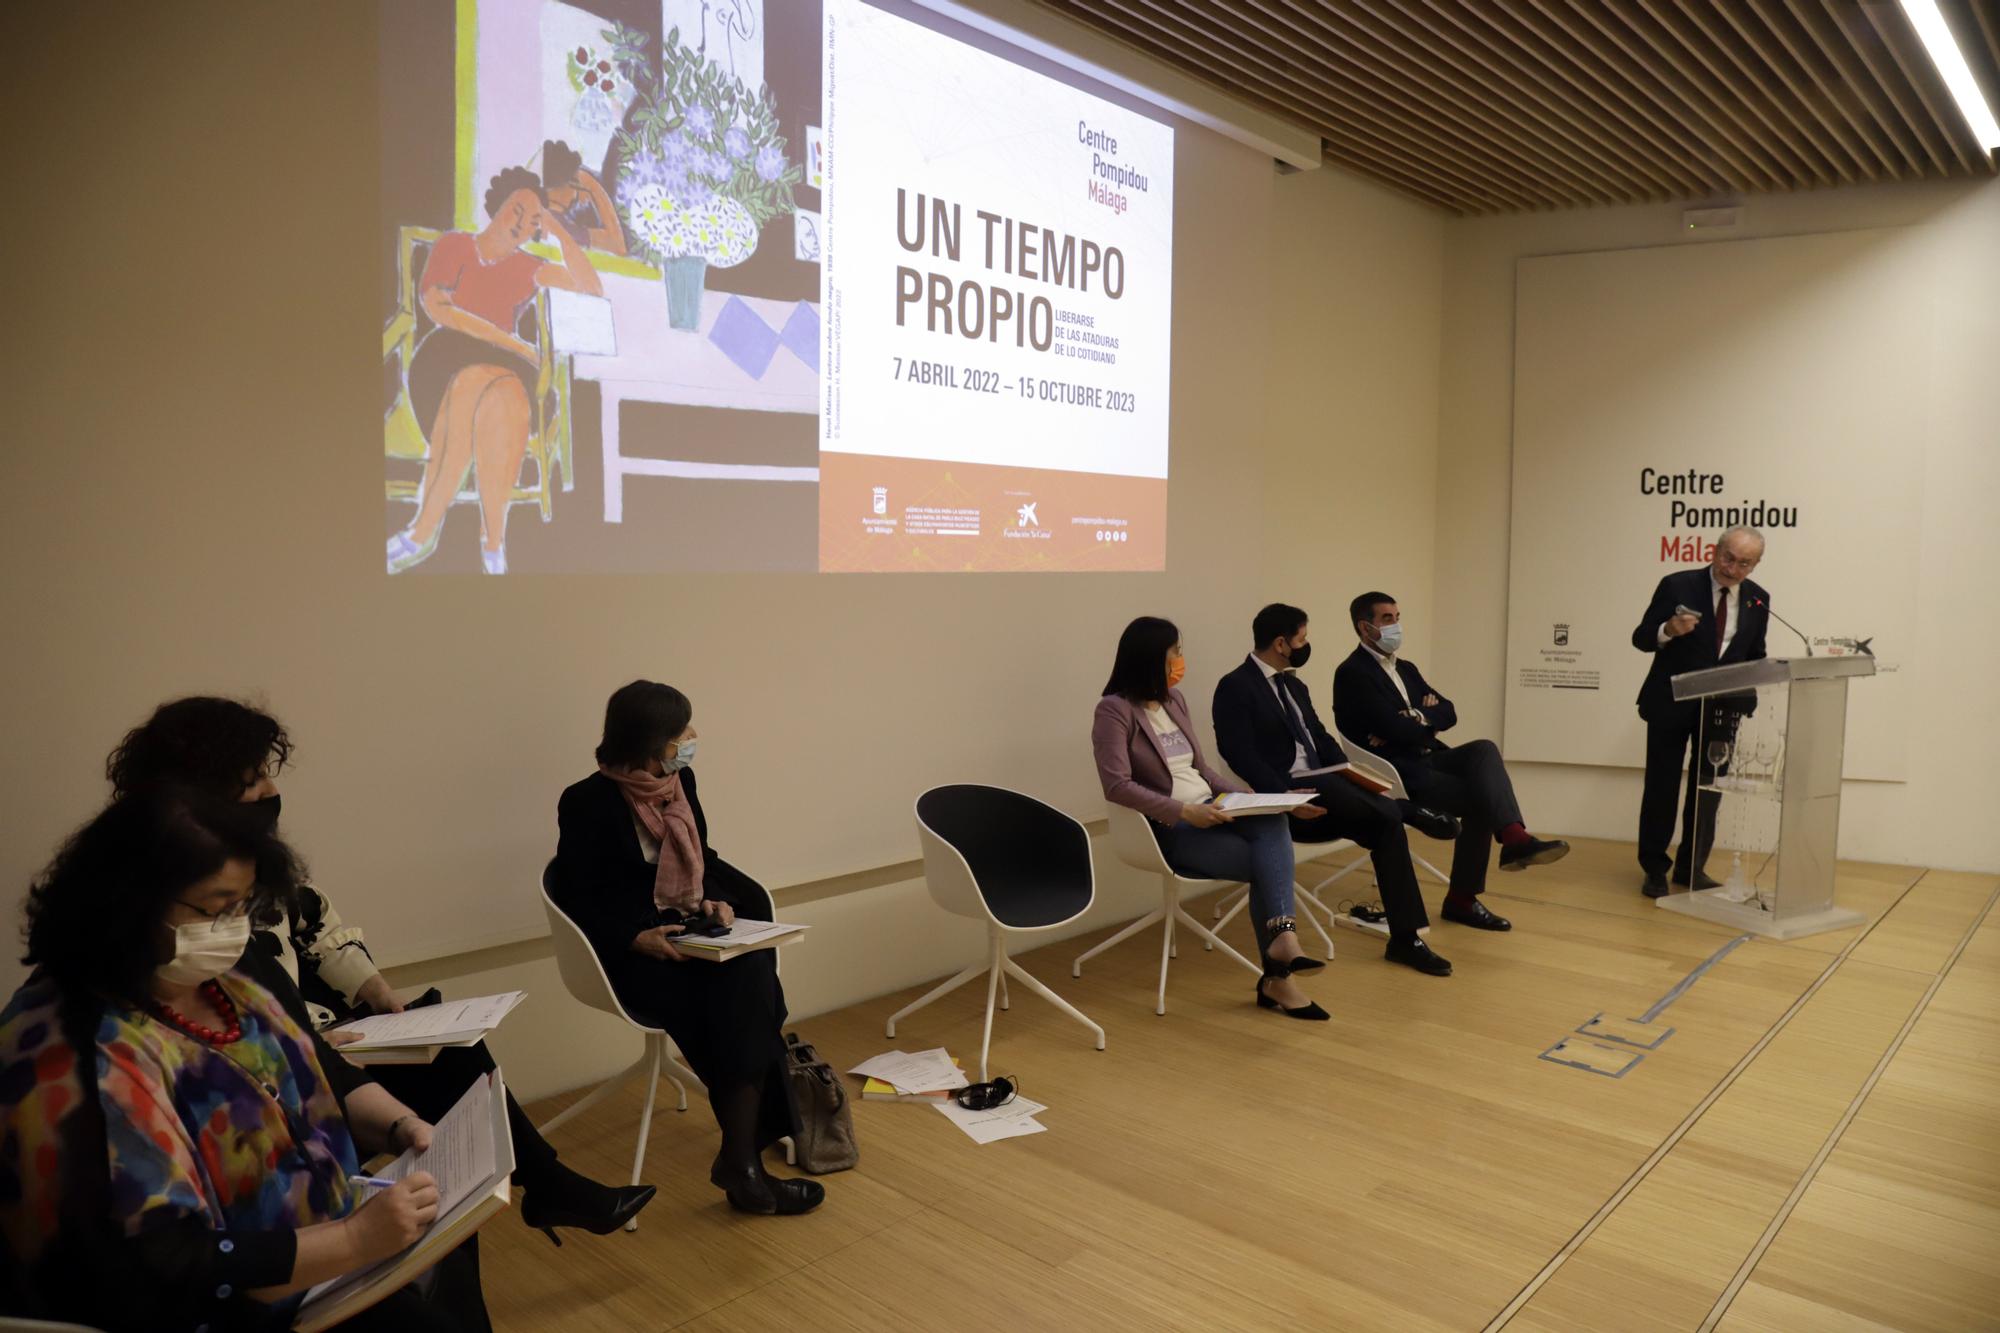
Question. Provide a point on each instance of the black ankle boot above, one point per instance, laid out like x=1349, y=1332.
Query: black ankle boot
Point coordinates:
x=751, y=1189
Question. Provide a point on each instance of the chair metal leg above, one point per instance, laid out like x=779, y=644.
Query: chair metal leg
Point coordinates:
x=598, y=1094
x=1003, y=989
x=1166, y=952
x=1181, y=915
x=1341, y=874
x=1222, y=919
x=992, y=990
x=1229, y=900
x=1435, y=873
x=935, y=992
x=791, y=1151
x=658, y=1045
x=672, y=1071
x=1076, y=968
x=1306, y=902
x=1034, y=984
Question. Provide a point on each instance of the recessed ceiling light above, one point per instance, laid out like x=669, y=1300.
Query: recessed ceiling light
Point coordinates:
x=1937, y=37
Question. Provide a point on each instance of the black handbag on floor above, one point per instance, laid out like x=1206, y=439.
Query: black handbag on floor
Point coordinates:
x=826, y=1121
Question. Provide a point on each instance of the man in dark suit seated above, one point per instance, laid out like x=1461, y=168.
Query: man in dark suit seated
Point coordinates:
x=1384, y=704
x=1267, y=731
x=1698, y=618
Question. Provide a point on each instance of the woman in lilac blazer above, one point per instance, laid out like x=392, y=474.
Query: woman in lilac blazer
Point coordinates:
x=1149, y=760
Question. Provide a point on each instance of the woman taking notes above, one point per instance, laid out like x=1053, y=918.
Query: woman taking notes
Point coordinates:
x=632, y=859
x=233, y=751
x=177, y=1149
x=1148, y=760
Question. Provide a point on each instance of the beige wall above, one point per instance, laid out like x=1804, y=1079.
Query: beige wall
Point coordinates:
x=201, y=413
x=1352, y=464
x=1354, y=316
x=191, y=450
x=1942, y=816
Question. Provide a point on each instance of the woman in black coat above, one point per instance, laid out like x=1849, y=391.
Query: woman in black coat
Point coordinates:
x=632, y=861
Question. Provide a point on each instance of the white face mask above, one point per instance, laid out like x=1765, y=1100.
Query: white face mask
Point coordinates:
x=204, y=950
x=682, y=756
x=1391, y=640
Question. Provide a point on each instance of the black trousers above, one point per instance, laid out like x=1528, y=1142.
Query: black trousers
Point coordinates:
x=1471, y=782
x=1668, y=737
x=727, y=1019
x=1376, y=823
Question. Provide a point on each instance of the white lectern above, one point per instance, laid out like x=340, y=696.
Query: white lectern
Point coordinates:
x=1794, y=768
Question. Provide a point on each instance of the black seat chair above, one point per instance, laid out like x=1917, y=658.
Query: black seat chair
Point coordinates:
x=1013, y=862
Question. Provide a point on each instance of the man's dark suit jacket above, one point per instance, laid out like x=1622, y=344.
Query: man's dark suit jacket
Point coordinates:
x=1252, y=733
x=1366, y=704
x=1694, y=650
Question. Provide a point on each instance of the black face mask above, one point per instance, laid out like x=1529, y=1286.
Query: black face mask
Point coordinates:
x=267, y=810
x=1300, y=654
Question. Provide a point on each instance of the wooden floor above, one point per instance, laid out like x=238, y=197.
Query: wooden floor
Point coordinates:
x=1814, y=1148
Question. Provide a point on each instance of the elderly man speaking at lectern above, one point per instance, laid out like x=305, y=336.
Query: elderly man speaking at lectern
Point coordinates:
x=1699, y=618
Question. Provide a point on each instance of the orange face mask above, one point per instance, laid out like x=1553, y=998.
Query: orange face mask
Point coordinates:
x=1175, y=670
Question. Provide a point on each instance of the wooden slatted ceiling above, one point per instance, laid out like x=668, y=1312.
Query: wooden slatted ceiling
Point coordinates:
x=1493, y=106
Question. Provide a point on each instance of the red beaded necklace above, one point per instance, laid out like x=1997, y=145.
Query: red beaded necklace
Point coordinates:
x=232, y=1027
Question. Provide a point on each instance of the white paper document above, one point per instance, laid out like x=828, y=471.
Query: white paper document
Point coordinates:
x=1262, y=803
x=460, y=1157
x=1011, y=1121
x=744, y=931
x=921, y=1071
x=470, y=1157
x=1322, y=772
x=434, y=1024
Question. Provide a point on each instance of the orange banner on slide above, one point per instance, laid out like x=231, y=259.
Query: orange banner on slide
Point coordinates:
x=914, y=515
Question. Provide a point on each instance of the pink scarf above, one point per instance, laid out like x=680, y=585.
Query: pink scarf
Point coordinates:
x=657, y=804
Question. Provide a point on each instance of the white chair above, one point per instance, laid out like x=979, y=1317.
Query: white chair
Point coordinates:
x=1375, y=766
x=583, y=975
x=1009, y=860
x=1133, y=842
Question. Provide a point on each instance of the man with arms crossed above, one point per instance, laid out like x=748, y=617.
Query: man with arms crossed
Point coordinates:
x=1384, y=703
x=1699, y=618
x=1269, y=733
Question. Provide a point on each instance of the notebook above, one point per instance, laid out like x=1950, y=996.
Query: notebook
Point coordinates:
x=472, y=1156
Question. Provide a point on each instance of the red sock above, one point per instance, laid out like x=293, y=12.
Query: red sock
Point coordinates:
x=1511, y=836
x=1454, y=898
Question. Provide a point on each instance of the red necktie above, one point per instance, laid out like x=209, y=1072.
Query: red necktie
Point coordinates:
x=1721, y=618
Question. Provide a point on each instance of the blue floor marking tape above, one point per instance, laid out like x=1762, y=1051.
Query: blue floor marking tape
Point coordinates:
x=1680, y=988
x=1557, y=1053
x=1555, y=1056
x=1607, y=1035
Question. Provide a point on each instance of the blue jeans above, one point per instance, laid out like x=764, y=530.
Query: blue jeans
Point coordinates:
x=1254, y=848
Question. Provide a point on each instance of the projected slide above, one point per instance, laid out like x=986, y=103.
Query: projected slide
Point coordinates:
x=693, y=285
x=996, y=279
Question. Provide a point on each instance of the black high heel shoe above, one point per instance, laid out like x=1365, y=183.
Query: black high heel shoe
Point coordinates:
x=1310, y=1012
x=1303, y=964
x=624, y=1204
x=751, y=1190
